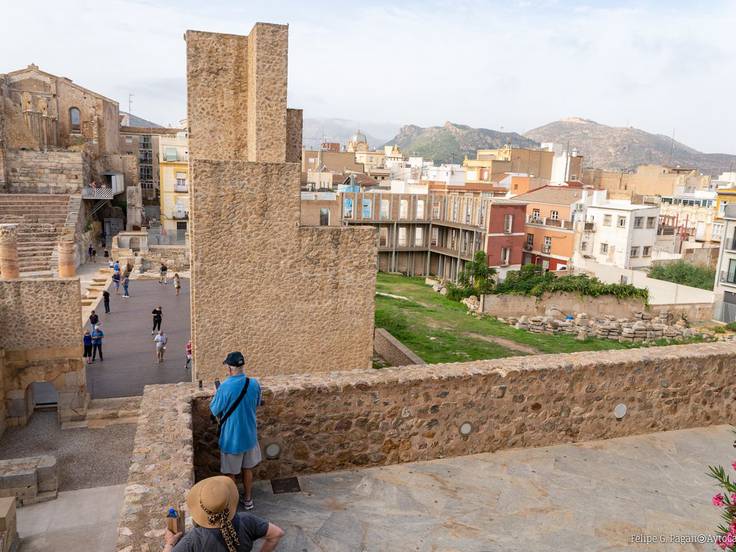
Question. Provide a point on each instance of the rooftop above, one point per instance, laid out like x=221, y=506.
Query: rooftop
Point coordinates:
x=555, y=195
x=595, y=495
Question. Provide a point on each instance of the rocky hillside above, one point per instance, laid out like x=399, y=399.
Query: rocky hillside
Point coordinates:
x=621, y=148
x=452, y=142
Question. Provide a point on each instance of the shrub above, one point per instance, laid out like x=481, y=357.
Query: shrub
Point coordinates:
x=731, y=326
x=719, y=330
x=532, y=280
x=684, y=273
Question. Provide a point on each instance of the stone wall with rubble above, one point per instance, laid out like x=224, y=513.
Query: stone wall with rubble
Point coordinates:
x=293, y=299
x=351, y=419
x=44, y=172
x=40, y=334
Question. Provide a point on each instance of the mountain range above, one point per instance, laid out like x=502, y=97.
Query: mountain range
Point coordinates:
x=451, y=142
x=623, y=148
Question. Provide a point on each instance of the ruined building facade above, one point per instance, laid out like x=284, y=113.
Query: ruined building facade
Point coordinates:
x=291, y=298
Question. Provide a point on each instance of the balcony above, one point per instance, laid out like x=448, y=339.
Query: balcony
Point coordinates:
x=589, y=227
x=528, y=246
x=553, y=223
x=546, y=249
x=97, y=192
x=181, y=188
x=180, y=215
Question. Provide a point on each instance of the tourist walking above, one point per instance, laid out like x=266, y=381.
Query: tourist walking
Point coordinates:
x=162, y=274
x=90, y=251
x=160, y=340
x=94, y=255
x=116, y=267
x=106, y=300
x=93, y=319
x=177, y=283
x=116, y=282
x=87, y=340
x=158, y=315
x=235, y=404
x=188, y=364
x=217, y=525
x=97, y=335
x=126, y=282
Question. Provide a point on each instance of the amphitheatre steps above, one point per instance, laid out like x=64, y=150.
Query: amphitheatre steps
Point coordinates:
x=41, y=219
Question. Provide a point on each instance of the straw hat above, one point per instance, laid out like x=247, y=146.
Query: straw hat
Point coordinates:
x=210, y=497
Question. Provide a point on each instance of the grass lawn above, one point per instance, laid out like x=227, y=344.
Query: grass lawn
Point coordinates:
x=439, y=330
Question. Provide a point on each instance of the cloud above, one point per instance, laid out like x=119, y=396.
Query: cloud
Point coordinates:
x=487, y=63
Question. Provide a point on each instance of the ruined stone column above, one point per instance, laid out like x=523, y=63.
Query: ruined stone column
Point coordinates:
x=67, y=264
x=9, y=268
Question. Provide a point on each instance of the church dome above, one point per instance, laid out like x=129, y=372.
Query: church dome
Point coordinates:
x=359, y=138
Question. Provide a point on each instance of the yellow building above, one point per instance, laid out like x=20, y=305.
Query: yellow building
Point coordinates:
x=173, y=162
x=724, y=196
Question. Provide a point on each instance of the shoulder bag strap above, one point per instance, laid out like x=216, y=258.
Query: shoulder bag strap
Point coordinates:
x=236, y=403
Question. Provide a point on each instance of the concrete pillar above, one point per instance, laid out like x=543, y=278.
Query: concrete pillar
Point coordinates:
x=67, y=263
x=9, y=268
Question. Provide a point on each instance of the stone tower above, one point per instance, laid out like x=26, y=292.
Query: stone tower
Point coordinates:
x=293, y=299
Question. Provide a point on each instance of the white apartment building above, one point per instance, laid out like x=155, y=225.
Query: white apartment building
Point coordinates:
x=724, y=308
x=619, y=233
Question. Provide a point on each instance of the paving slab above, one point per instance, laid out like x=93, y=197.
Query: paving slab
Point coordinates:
x=599, y=495
x=81, y=521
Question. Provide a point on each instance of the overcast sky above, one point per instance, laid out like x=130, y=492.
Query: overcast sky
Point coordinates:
x=514, y=64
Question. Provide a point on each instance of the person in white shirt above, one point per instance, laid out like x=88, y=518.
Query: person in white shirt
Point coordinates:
x=160, y=341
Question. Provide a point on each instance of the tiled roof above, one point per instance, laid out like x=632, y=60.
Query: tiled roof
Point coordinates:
x=556, y=195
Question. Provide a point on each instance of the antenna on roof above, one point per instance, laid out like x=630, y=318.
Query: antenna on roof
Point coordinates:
x=130, y=103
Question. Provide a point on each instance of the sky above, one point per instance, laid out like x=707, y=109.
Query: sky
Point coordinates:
x=660, y=65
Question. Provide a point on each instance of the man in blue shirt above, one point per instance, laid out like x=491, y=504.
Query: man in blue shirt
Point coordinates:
x=239, y=448
x=97, y=335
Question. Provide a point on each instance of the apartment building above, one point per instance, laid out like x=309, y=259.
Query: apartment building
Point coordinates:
x=724, y=308
x=692, y=214
x=551, y=213
x=437, y=233
x=173, y=161
x=646, y=180
x=619, y=233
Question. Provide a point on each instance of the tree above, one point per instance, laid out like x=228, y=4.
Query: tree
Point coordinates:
x=477, y=276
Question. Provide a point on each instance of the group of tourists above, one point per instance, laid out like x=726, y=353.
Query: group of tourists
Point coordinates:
x=221, y=516
x=119, y=278
x=92, y=339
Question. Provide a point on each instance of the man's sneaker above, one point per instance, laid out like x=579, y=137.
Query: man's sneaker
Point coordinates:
x=245, y=504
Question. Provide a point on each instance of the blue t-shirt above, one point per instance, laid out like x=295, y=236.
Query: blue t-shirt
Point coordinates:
x=97, y=336
x=239, y=433
x=88, y=339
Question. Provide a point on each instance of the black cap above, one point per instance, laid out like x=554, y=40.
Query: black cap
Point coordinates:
x=234, y=359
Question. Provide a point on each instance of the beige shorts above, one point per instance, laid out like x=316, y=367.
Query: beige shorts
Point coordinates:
x=235, y=463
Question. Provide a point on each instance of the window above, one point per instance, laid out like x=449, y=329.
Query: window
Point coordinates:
x=435, y=235
x=482, y=212
x=347, y=208
x=145, y=142
x=385, y=206
x=145, y=172
x=583, y=246
x=75, y=119
x=403, y=209
x=508, y=223
x=436, y=211
x=420, y=209
x=419, y=236
x=647, y=251
x=145, y=157
x=505, y=256
x=402, y=236
x=731, y=274
x=468, y=211
x=604, y=248
x=367, y=208
x=128, y=139
x=535, y=214
x=181, y=225
x=170, y=154
x=651, y=222
x=607, y=220
x=638, y=222
x=529, y=241
x=621, y=222
x=324, y=217
x=181, y=182
x=554, y=215
x=383, y=236
x=455, y=209
x=634, y=251
x=717, y=232
x=547, y=247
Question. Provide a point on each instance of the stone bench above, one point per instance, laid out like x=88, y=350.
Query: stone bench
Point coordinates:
x=30, y=480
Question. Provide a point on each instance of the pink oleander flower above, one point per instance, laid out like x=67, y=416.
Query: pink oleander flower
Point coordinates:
x=734, y=465
x=718, y=500
x=721, y=542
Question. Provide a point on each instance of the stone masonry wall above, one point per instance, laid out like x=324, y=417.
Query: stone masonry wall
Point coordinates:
x=294, y=125
x=39, y=172
x=375, y=417
x=293, y=299
x=40, y=334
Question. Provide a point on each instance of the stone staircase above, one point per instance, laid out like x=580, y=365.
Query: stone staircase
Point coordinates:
x=41, y=219
x=102, y=413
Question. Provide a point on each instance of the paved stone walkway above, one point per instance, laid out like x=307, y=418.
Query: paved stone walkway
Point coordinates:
x=77, y=521
x=128, y=346
x=589, y=496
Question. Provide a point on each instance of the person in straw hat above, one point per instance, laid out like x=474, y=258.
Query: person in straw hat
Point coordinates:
x=218, y=527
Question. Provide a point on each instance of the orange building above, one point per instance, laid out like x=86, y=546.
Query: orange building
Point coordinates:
x=550, y=229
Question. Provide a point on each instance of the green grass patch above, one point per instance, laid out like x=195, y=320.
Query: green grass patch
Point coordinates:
x=436, y=328
x=681, y=272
